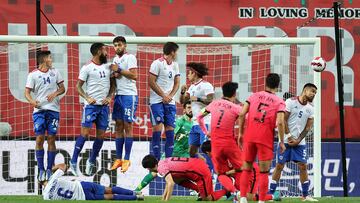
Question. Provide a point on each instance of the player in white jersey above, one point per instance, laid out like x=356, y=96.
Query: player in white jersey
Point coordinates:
x=164, y=80
x=58, y=188
x=299, y=117
x=200, y=93
x=47, y=84
x=126, y=100
x=99, y=91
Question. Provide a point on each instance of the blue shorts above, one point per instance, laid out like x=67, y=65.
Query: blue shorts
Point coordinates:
x=295, y=154
x=93, y=191
x=163, y=113
x=196, y=136
x=46, y=120
x=125, y=108
x=98, y=114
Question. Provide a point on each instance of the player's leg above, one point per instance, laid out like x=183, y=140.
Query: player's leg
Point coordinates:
x=194, y=141
x=157, y=119
x=118, y=111
x=39, y=129
x=250, y=152
x=130, y=106
x=169, y=122
x=265, y=156
x=281, y=159
x=102, y=122
x=52, y=121
x=88, y=117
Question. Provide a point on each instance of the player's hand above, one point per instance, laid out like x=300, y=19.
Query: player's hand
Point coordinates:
x=166, y=99
x=35, y=103
x=90, y=100
x=114, y=67
x=51, y=97
x=282, y=147
x=293, y=142
x=184, y=88
x=193, y=98
x=106, y=101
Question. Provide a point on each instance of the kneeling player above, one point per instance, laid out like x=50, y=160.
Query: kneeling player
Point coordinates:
x=192, y=173
x=228, y=182
x=61, y=189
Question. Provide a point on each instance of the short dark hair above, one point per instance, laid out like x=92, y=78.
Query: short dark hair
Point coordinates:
x=307, y=85
x=186, y=103
x=41, y=55
x=149, y=161
x=287, y=95
x=199, y=68
x=206, y=147
x=119, y=39
x=96, y=47
x=170, y=47
x=229, y=89
x=272, y=80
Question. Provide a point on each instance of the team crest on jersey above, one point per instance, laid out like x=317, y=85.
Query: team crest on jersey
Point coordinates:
x=308, y=111
x=39, y=76
x=158, y=118
x=88, y=117
x=52, y=74
x=281, y=157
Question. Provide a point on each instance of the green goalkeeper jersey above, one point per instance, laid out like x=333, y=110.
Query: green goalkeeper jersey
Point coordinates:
x=182, y=130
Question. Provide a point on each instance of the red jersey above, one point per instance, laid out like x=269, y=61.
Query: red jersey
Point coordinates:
x=181, y=166
x=261, y=120
x=224, y=114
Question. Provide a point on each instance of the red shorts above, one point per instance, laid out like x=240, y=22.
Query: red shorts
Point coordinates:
x=223, y=156
x=252, y=149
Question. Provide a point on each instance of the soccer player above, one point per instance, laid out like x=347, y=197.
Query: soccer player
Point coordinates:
x=57, y=188
x=299, y=119
x=47, y=84
x=200, y=93
x=228, y=182
x=181, y=145
x=265, y=112
x=164, y=80
x=192, y=173
x=99, y=91
x=224, y=114
x=126, y=101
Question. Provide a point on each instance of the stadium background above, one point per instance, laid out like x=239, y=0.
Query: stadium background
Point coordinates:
x=210, y=18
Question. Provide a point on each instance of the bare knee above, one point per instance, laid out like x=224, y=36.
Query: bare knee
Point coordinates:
x=40, y=141
x=302, y=167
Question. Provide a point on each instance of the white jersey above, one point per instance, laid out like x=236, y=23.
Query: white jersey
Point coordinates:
x=43, y=84
x=165, y=78
x=299, y=114
x=200, y=90
x=125, y=86
x=97, y=79
x=58, y=189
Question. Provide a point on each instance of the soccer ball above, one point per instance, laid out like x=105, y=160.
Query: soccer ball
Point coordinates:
x=318, y=64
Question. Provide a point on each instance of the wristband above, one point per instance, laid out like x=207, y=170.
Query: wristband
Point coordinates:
x=199, y=99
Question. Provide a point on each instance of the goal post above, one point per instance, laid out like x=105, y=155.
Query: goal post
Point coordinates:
x=243, y=60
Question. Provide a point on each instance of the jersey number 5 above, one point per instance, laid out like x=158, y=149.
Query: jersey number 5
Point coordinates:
x=262, y=112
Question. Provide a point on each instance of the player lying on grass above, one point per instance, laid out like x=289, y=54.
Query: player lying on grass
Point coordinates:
x=181, y=145
x=191, y=173
x=57, y=188
x=228, y=182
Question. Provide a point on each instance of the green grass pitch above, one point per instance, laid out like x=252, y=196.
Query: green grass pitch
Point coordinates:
x=33, y=199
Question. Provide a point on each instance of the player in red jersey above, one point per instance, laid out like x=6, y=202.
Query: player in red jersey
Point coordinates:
x=265, y=112
x=192, y=173
x=224, y=114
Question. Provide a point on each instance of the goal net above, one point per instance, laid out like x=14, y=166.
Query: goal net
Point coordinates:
x=243, y=60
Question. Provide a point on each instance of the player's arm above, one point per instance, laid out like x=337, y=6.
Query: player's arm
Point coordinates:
x=29, y=98
x=61, y=166
x=280, y=122
x=58, y=92
x=169, y=187
x=200, y=118
x=208, y=100
x=146, y=181
x=241, y=120
x=176, y=86
x=309, y=125
x=130, y=74
x=154, y=86
x=111, y=93
x=184, y=96
x=286, y=118
x=81, y=92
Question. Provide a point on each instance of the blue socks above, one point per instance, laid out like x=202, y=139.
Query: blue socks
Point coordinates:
x=119, y=143
x=98, y=143
x=156, y=137
x=128, y=146
x=305, y=188
x=50, y=159
x=273, y=186
x=169, y=144
x=40, y=159
x=77, y=149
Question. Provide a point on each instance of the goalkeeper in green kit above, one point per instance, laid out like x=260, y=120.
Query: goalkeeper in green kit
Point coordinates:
x=181, y=145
